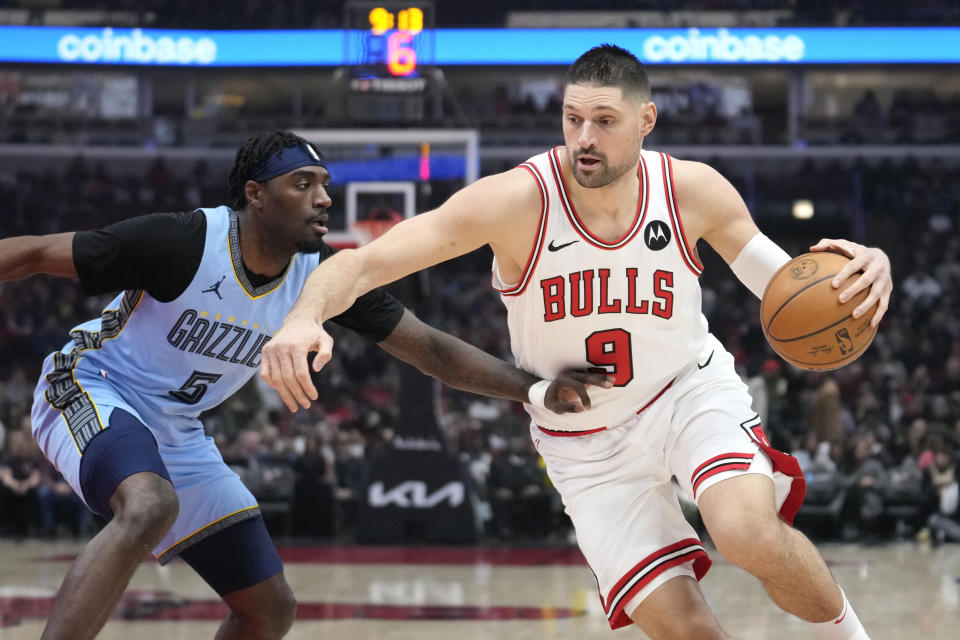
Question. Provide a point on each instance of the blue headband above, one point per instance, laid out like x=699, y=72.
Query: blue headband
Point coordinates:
x=288, y=159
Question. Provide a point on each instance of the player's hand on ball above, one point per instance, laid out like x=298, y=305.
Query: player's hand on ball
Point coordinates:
x=568, y=392
x=875, y=267
x=284, y=360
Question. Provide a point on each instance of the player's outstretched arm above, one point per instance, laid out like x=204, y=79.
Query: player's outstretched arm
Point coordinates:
x=463, y=366
x=482, y=213
x=24, y=256
x=476, y=215
x=335, y=285
x=874, y=266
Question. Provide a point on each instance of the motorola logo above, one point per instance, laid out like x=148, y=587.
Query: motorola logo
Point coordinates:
x=656, y=235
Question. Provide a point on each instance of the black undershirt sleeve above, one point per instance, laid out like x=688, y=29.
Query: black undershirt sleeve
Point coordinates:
x=159, y=253
x=373, y=315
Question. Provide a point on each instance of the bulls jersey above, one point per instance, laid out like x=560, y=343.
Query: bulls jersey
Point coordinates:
x=630, y=307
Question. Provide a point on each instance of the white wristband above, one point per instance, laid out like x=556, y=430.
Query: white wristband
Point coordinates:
x=757, y=262
x=538, y=393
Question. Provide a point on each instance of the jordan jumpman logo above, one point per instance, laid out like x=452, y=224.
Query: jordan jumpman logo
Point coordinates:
x=215, y=288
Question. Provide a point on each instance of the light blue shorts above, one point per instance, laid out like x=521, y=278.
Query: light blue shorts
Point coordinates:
x=212, y=497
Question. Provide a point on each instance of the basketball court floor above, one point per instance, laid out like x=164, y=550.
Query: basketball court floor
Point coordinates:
x=900, y=591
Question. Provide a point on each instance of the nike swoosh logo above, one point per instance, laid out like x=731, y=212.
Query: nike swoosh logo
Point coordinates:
x=701, y=366
x=557, y=247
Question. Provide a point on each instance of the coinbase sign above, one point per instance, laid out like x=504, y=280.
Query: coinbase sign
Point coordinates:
x=692, y=47
x=736, y=46
x=136, y=48
x=171, y=47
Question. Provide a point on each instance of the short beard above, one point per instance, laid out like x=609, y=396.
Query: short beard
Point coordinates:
x=607, y=175
x=309, y=246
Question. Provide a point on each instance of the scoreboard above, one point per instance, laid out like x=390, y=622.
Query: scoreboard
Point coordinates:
x=389, y=55
x=388, y=39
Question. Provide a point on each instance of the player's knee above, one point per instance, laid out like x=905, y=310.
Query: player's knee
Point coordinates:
x=284, y=611
x=148, y=512
x=700, y=628
x=694, y=625
x=750, y=543
x=273, y=614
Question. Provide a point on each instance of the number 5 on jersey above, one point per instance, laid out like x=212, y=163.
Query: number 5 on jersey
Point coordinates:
x=191, y=391
x=611, y=353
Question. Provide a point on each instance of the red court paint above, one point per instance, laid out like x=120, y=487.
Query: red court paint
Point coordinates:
x=163, y=605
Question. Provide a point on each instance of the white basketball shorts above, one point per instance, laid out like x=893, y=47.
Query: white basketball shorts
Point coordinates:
x=616, y=482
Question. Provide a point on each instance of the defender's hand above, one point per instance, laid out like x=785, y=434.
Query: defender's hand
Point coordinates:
x=875, y=266
x=284, y=360
x=568, y=392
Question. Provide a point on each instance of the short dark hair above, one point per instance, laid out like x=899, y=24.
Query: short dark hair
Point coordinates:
x=251, y=156
x=608, y=65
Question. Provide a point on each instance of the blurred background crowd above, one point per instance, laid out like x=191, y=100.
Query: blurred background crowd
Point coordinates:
x=878, y=440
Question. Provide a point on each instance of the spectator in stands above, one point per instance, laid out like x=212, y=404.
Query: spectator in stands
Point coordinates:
x=825, y=408
x=921, y=287
x=275, y=448
x=915, y=438
x=901, y=118
x=814, y=457
x=768, y=390
x=866, y=121
x=942, y=493
x=824, y=499
x=748, y=127
x=866, y=480
x=517, y=487
x=249, y=449
x=313, y=510
x=352, y=470
x=56, y=503
x=19, y=479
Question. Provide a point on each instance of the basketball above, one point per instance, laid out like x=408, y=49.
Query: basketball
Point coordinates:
x=803, y=319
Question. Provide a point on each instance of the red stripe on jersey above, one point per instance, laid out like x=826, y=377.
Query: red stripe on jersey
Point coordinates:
x=648, y=569
x=580, y=227
x=717, y=458
x=688, y=256
x=567, y=434
x=729, y=466
x=537, y=247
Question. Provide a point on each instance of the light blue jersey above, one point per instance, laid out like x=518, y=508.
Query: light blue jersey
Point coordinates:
x=165, y=363
x=170, y=361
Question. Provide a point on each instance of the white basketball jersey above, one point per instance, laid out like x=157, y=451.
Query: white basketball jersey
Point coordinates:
x=630, y=307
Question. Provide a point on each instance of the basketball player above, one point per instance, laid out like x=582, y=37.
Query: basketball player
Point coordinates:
x=116, y=410
x=595, y=259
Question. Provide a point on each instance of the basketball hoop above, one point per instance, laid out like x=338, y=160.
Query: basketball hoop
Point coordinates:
x=370, y=229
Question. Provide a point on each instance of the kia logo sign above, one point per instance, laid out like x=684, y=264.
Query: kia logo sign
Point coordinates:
x=136, y=48
x=412, y=494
